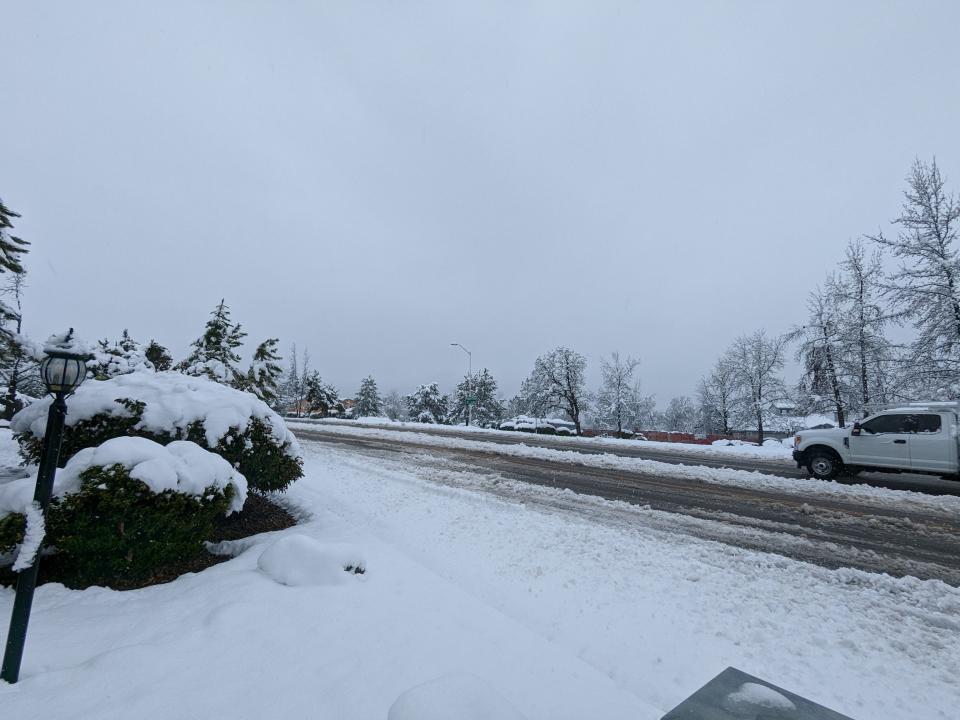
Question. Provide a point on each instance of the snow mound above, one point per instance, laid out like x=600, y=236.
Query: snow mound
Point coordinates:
x=173, y=401
x=181, y=466
x=752, y=699
x=298, y=560
x=452, y=697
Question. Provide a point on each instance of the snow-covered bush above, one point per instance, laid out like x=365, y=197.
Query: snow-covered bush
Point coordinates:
x=170, y=406
x=126, y=508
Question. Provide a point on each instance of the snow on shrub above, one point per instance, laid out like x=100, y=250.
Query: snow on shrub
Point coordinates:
x=168, y=406
x=126, y=508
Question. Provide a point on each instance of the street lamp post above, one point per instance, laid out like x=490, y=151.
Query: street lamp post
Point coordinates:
x=62, y=372
x=470, y=398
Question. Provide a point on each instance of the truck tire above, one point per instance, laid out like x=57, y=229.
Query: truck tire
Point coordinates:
x=824, y=465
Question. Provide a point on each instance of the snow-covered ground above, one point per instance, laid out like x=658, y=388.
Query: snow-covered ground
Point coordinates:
x=547, y=613
x=775, y=450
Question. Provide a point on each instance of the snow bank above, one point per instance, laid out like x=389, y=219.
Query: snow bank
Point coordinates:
x=298, y=560
x=727, y=448
x=173, y=401
x=181, y=466
x=452, y=697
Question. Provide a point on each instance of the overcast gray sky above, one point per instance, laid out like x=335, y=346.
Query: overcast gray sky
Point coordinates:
x=375, y=180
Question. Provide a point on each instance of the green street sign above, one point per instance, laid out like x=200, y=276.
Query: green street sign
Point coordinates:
x=471, y=400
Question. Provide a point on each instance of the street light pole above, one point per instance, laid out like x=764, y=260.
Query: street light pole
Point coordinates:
x=62, y=373
x=469, y=381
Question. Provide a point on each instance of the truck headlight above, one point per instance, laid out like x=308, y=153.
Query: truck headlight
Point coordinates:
x=796, y=441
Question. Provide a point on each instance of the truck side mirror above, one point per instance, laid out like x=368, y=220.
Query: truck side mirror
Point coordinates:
x=856, y=429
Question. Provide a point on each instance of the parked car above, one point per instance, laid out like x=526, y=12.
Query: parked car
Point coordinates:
x=541, y=426
x=917, y=438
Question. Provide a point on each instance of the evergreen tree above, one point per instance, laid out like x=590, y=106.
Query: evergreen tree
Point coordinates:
x=158, y=356
x=265, y=373
x=19, y=369
x=321, y=399
x=427, y=404
x=11, y=248
x=368, y=399
x=214, y=353
x=487, y=409
x=119, y=358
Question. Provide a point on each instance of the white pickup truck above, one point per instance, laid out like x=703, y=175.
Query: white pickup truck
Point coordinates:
x=916, y=438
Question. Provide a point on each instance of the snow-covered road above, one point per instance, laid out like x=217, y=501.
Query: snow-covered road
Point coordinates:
x=830, y=524
x=610, y=613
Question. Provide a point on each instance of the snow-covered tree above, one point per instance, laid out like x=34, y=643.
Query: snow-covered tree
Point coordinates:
x=820, y=351
x=11, y=248
x=111, y=359
x=619, y=404
x=394, y=405
x=680, y=415
x=158, y=356
x=19, y=369
x=292, y=386
x=557, y=382
x=321, y=398
x=867, y=356
x=214, y=353
x=756, y=361
x=925, y=288
x=717, y=396
x=368, y=399
x=487, y=409
x=427, y=404
x=265, y=373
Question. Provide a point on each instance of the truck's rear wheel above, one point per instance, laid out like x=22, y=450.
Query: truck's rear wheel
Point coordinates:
x=824, y=465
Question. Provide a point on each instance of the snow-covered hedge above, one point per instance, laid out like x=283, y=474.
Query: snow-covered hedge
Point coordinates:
x=124, y=509
x=168, y=406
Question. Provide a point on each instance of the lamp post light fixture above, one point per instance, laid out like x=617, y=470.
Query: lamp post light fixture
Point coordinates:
x=62, y=371
x=470, y=398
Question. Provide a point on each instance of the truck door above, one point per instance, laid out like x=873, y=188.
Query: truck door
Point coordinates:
x=932, y=445
x=884, y=441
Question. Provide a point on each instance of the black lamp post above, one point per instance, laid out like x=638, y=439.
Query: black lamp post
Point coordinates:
x=62, y=372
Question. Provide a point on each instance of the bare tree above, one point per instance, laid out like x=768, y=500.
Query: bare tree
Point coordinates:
x=294, y=387
x=618, y=402
x=394, y=405
x=926, y=287
x=557, y=381
x=679, y=415
x=866, y=353
x=756, y=361
x=717, y=395
x=820, y=349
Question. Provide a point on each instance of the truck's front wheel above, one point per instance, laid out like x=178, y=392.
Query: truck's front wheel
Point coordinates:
x=824, y=465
